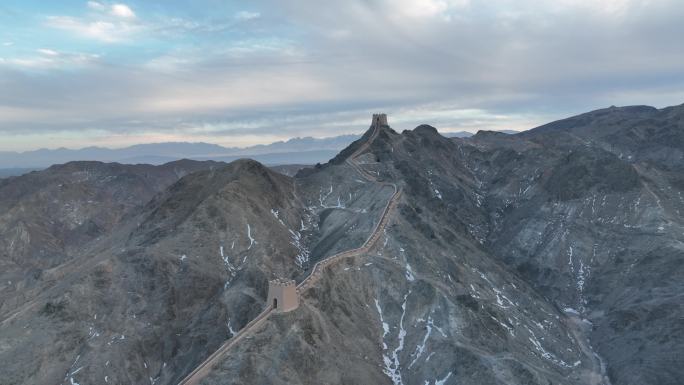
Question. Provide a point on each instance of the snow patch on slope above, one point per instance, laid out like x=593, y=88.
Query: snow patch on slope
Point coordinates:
x=249, y=235
x=391, y=361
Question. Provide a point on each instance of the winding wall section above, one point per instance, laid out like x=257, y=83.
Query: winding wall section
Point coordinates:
x=316, y=273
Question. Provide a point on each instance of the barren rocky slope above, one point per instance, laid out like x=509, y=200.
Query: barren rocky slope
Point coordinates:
x=588, y=211
x=583, y=213
x=427, y=305
x=47, y=217
x=548, y=257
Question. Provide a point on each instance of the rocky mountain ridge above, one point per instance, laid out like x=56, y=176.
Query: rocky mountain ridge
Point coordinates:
x=551, y=256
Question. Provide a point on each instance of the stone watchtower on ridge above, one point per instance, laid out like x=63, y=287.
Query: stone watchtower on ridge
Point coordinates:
x=379, y=120
x=282, y=295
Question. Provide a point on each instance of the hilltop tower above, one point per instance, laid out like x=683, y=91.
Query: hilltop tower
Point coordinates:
x=282, y=295
x=379, y=120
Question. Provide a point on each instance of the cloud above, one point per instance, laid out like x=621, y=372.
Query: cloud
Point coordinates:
x=607, y=7
x=96, y=5
x=105, y=31
x=247, y=15
x=49, y=59
x=122, y=10
x=305, y=67
x=117, y=9
x=109, y=23
x=420, y=8
x=48, y=52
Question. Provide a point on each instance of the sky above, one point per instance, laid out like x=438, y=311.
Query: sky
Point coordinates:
x=237, y=73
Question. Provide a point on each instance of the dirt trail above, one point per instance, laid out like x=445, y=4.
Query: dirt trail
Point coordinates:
x=316, y=273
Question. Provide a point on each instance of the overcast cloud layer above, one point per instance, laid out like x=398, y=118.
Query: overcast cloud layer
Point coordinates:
x=77, y=73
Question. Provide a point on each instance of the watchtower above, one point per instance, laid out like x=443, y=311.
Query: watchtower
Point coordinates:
x=379, y=120
x=282, y=295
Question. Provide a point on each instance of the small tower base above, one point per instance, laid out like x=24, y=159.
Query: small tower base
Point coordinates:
x=282, y=295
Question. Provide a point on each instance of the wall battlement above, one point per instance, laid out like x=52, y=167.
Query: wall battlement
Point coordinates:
x=379, y=120
x=282, y=282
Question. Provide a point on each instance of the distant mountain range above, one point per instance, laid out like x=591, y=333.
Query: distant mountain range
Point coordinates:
x=297, y=150
x=305, y=150
x=466, y=134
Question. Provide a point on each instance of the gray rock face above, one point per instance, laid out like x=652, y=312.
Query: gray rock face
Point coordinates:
x=548, y=257
x=48, y=217
x=593, y=221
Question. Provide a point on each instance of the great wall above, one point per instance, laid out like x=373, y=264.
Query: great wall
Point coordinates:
x=282, y=294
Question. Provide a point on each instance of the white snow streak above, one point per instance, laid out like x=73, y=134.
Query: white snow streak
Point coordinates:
x=543, y=352
x=443, y=380
x=571, y=311
x=229, y=267
x=230, y=329
x=302, y=258
x=385, y=326
x=249, y=235
x=276, y=214
x=508, y=328
x=322, y=198
x=499, y=300
x=409, y=273
x=420, y=349
x=392, y=364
